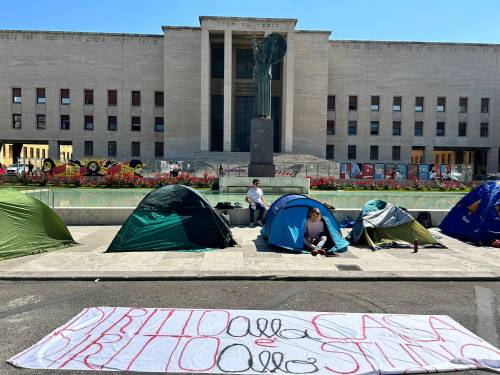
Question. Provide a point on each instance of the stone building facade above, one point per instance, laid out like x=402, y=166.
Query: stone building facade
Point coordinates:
x=190, y=90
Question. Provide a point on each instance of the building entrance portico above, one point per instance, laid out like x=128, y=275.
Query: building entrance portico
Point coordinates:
x=227, y=86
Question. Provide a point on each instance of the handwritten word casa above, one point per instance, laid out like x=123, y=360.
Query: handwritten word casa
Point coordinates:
x=258, y=342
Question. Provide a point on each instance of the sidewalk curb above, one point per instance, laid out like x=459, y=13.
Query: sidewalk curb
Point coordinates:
x=165, y=276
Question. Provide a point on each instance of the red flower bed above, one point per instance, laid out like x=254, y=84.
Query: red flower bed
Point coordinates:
x=331, y=183
x=117, y=180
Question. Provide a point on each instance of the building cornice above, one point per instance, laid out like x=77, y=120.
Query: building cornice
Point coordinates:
x=81, y=33
x=396, y=42
x=253, y=19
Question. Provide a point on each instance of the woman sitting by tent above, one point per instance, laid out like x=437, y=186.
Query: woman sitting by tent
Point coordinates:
x=314, y=232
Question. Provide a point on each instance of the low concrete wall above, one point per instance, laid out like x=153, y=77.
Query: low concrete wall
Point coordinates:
x=281, y=185
x=239, y=216
x=94, y=215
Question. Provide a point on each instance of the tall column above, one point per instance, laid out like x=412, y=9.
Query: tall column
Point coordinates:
x=428, y=156
x=54, y=152
x=228, y=88
x=288, y=91
x=205, y=90
x=492, y=161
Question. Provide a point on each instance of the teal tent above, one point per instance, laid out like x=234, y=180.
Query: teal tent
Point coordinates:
x=28, y=226
x=173, y=217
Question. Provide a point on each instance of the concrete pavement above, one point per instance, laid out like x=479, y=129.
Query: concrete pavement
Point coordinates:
x=254, y=259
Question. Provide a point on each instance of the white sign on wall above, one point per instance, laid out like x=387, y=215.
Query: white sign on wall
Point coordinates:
x=257, y=342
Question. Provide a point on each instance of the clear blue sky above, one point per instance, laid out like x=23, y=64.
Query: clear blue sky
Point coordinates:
x=418, y=20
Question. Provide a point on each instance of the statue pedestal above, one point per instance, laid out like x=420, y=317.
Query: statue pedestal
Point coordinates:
x=261, y=148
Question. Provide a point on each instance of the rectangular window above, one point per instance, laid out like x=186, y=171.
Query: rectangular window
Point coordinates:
x=88, y=97
x=374, y=127
x=396, y=128
x=25, y=152
x=158, y=98
x=65, y=124
x=112, y=98
x=65, y=99
x=396, y=103
x=373, y=152
x=88, y=123
x=485, y=105
x=331, y=103
x=88, y=148
x=158, y=149
x=330, y=127
x=440, y=129
x=419, y=104
x=31, y=152
x=353, y=103
x=38, y=153
x=112, y=123
x=40, y=121
x=396, y=152
x=483, y=130
x=136, y=124
x=40, y=96
x=43, y=154
x=330, y=152
x=135, y=149
x=136, y=98
x=159, y=125
x=419, y=128
x=462, y=129
x=244, y=63
x=112, y=149
x=351, y=152
x=217, y=62
x=16, y=95
x=463, y=105
x=17, y=121
x=352, y=128
x=375, y=103
x=441, y=104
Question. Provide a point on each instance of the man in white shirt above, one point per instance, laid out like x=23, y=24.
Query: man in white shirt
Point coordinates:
x=255, y=198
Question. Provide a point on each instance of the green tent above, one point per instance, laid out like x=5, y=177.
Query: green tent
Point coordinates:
x=382, y=225
x=173, y=217
x=28, y=226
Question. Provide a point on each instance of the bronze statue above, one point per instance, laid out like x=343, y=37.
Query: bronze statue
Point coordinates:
x=267, y=52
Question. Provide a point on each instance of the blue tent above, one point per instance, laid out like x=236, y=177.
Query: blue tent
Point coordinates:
x=476, y=217
x=286, y=220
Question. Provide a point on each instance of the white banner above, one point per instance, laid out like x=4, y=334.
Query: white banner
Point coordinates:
x=257, y=342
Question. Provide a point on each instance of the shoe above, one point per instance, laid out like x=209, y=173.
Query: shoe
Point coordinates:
x=252, y=225
x=260, y=223
x=314, y=252
x=321, y=251
x=331, y=255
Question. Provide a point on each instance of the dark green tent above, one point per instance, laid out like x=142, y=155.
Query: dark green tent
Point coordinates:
x=173, y=217
x=28, y=226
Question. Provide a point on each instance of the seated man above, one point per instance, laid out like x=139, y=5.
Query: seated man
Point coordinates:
x=255, y=198
x=314, y=233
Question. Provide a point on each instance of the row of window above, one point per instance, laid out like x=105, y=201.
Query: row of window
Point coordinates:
x=397, y=102
x=88, y=97
x=352, y=128
x=88, y=122
x=135, y=149
x=351, y=152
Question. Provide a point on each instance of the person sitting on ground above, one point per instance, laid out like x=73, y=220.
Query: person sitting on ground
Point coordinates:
x=255, y=198
x=314, y=233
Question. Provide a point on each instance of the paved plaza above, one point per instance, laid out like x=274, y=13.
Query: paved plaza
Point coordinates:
x=254, y=259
